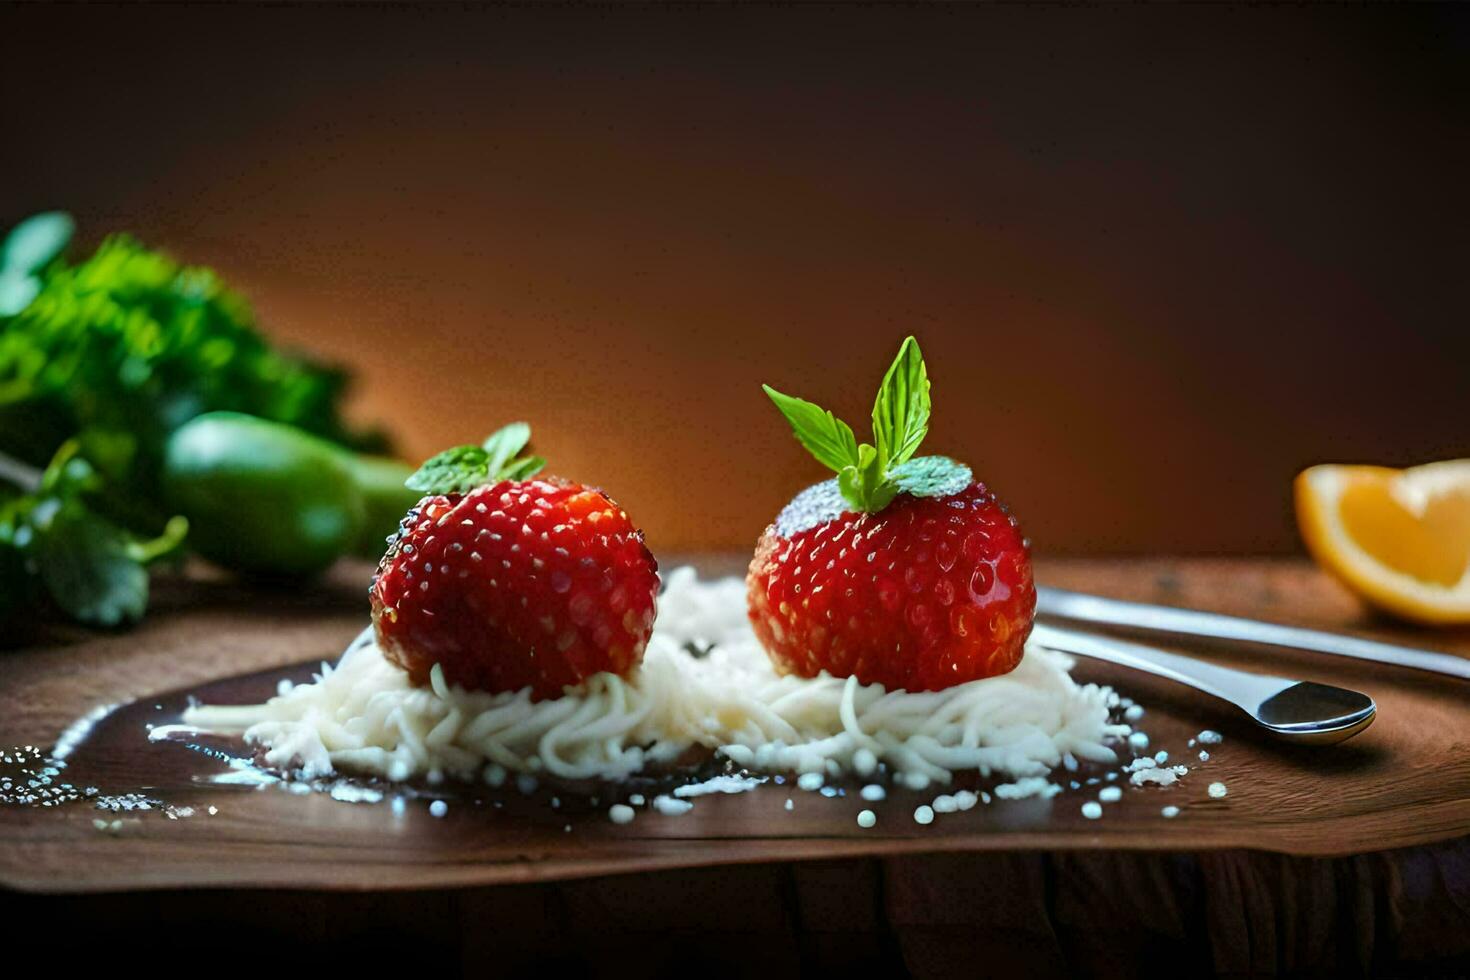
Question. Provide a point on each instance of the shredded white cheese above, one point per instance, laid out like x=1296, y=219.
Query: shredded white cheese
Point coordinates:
x=364, y=716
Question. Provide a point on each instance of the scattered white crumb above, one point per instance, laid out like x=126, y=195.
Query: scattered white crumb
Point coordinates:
x=924, y=815
x=671, y=807
x=1170, y=811
x=1161, y=757
x=789, y=804
x=1204, y=756
x=556, y=802
x=1134, y=712
x=495, y=774
x=723, y=784
x=1092, y=809
x=438, y=808
x=945, y=804
x=1138, y=740
x=1110, y=794
x=620, y=813
x=984, y=797
x=965, y=799
x=866, y=819
x=637, y=799
x=810, y=781
x=1163, y=777
x=1208, y=737
x=1217, y=791
x=1028, y=787
x=213, y=810
x=873, y=793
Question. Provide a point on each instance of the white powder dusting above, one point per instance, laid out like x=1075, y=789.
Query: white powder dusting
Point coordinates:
x=362, y=715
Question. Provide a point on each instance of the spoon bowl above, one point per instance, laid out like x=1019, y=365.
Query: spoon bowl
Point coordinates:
x=1295, y=711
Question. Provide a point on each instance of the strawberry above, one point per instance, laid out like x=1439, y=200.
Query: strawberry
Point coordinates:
x=507, y=581
x=903, y=571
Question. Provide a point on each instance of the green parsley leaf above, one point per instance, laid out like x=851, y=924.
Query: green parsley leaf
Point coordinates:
x=824, y=435
x=17, y=289
x=86, y=566
x=901, y=411
x=32, y=244
x=930, y=476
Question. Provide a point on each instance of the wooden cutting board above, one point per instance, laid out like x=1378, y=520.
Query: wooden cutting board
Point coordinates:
x=1404, y=782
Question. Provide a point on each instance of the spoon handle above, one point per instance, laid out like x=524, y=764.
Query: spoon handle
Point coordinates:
x=1245, y=691
x=1192, y=622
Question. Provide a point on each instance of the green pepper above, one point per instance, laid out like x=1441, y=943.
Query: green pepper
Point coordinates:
x=270, y=499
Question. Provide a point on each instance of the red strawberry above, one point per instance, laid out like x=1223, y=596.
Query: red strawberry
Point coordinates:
x=902, y=571
x=514, y=583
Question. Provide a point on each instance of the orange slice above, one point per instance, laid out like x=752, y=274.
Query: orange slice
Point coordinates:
x=1400, y=539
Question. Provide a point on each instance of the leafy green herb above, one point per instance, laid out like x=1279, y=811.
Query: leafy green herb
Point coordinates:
x=90, y=568
x=25, y=253
x=101, y=361
x=870, y=476
x=824, y=435
x=931, y=476
x=463, y=468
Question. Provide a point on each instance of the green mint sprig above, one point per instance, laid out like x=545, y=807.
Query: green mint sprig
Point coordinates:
x=871, y=475
x=463, y=468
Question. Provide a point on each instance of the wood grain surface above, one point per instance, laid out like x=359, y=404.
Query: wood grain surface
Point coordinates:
x=1404, y=782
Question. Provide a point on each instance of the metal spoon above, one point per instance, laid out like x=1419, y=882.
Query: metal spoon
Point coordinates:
x=1082, y=607
x=1295, y=711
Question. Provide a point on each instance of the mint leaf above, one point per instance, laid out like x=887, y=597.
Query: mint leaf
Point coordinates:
x=452, y=471
x=503, y=445
x=824, y=435
x=901, y=411
x=85, y=564
x=865, y=485
x=32, y=244
x=463, y=468
x=931, y=476
x=523, y=468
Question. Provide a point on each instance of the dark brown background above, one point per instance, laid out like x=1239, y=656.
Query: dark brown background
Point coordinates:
x=1159, y=257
